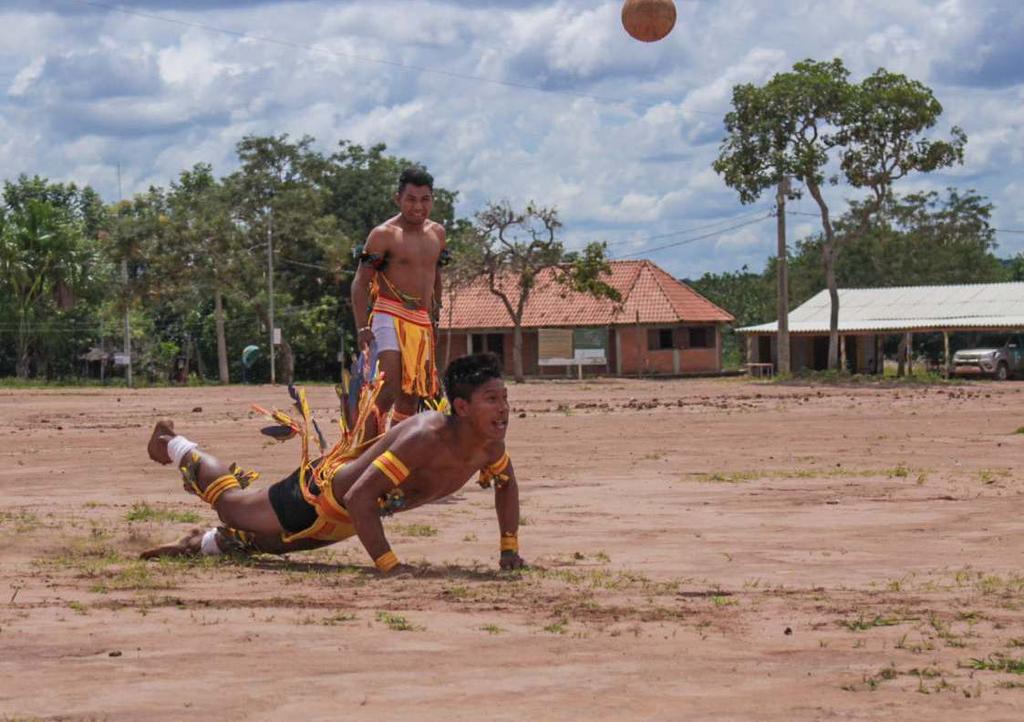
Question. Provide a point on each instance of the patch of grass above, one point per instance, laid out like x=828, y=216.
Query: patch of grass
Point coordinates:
x=559, y=627
x=900, y=471
x=144, y=512
x=722, y=601
x=396, y=622
x=1020, y=430
x=418, y=530
x=602, y=557
x=469, y=538
x=735, y=477
x=998, y=663
x=727, y=477
x=86, y=559
x=77, y=607
x=135, y=576
x=22, y=521
x=945, y=633
x=456, y=591
x=332, y=621
x=871, y=682
x=491, y=629
x=860, y=623
x=991, y=476
x=593, y=578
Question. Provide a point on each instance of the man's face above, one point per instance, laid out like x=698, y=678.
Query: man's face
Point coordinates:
x=487, y=410
x=415, y=203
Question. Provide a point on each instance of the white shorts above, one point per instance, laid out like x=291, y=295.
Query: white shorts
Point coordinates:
x=384, y=333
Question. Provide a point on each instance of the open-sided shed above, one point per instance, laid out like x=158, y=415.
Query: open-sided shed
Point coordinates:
x=868, y=315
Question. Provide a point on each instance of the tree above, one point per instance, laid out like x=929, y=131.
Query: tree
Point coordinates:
x=48, y=262
x=513, y=247
x=750, y=297
x=799, y=121
x=278, y=196
x=206, y=246
x=466, y=251
x=917, y=239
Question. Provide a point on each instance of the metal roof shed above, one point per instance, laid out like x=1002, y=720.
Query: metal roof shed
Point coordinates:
x=866, y=312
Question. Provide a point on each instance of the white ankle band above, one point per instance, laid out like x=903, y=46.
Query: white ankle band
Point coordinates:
x=209, y=546
x=177, y=447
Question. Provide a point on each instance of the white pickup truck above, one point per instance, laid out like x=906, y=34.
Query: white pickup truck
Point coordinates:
x=997, y=355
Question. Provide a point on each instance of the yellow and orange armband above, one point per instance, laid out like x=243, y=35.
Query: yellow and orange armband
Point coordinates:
x=495, y=473
x=392, y=467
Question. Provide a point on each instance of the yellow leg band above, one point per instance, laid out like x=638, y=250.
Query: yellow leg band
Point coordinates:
x=386, y=561
x=215, y=490
x=509, y=543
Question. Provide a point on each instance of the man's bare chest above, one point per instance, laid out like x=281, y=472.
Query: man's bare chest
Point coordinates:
x=436, y=481
x=419, y=251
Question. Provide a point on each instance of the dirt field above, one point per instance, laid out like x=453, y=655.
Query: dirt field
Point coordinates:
x=701, y=549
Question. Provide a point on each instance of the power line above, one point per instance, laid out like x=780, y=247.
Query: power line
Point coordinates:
x=684, y=231
x=376, y=61
x=695, y=239
x=994, y=230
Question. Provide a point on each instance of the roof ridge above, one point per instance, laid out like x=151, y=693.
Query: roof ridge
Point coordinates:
x=653, y=268
x=931, y=285
x=631, y=285
x=691, y=289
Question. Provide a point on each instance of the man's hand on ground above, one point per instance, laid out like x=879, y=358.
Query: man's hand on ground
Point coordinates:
x=512, y=560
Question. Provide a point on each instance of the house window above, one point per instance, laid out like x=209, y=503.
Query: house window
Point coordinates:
x=659, y=339
x=701, y=338
x=493, y=342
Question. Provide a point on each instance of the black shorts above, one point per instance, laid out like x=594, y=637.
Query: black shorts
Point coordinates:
x=293, y=511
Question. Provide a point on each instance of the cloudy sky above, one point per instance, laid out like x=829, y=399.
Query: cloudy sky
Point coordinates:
x=501, y=99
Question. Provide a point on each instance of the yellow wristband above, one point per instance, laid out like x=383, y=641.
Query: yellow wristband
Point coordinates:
x=386, y=561
x=509, y=543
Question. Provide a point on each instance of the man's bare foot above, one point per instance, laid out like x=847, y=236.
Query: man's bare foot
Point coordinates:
x=188, y=545
x=163, y=432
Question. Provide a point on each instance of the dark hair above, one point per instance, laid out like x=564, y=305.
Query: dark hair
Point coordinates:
x=466, y=374
x=416, y=176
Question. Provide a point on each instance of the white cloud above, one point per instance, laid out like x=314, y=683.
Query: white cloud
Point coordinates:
x=26, y=76
x=86, y=90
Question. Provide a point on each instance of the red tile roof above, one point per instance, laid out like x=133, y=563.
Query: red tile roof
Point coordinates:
x=645, y=288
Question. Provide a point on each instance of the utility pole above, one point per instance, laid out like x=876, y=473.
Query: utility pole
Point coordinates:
x=270, y=289
x=782, y=270
x=124, y=280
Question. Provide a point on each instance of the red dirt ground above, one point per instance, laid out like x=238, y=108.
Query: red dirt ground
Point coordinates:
x=702, y=549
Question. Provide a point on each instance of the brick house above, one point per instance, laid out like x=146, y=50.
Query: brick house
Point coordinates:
x=661, y=326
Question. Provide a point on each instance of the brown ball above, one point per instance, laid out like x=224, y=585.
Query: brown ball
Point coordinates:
x=648, y=20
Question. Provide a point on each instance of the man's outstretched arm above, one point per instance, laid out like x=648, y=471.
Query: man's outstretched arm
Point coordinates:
x=364, y=511
x=386, y=473
x=506, y=504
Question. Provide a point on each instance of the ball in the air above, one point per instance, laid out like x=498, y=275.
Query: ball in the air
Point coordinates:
x=648, y=20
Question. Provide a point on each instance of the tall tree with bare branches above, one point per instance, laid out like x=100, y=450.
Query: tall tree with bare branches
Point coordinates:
x=513, y=248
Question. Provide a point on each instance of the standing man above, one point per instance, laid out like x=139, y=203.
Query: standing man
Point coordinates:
x=396, y=291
